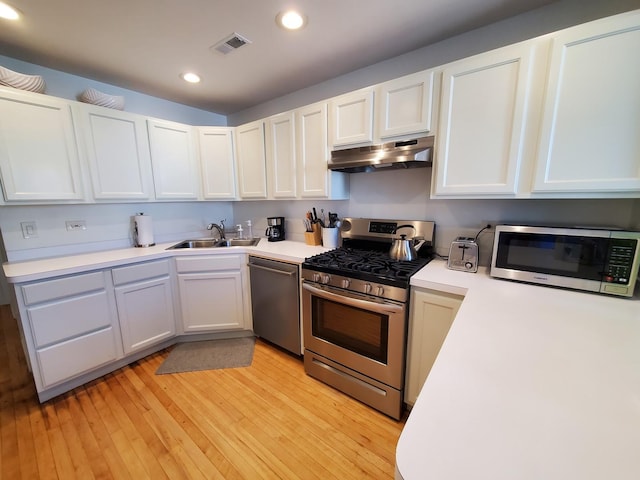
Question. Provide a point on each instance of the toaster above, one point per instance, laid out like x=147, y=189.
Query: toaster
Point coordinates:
x=463, y=255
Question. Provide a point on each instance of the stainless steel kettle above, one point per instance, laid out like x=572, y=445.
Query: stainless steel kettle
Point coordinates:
x=403, y=248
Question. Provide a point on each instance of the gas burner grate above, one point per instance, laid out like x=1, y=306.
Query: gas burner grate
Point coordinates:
x=365, y=264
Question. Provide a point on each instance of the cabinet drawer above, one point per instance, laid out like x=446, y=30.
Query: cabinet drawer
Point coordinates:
x=205, y=264
x=73, y=357
x=140, y=271
x=62, y=287
x=57, y=321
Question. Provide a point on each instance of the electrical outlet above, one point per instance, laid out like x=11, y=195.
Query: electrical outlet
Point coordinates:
x=75, y=225
x=29, y=229
x=493, y=224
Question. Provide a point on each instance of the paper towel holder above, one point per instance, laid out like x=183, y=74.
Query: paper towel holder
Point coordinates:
x=136, y=234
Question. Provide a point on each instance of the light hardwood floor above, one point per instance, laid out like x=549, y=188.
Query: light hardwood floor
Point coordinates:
x=269, y=420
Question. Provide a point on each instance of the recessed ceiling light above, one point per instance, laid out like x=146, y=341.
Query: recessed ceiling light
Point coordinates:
x=190, y=77
x=291, y=20
x=8, y=12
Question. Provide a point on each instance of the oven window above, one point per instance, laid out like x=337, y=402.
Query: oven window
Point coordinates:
x=355, y=329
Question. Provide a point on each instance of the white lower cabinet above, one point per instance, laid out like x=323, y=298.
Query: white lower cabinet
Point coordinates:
x=211, y=292
x=432, y=314
x=145, y=304
x=71, y=326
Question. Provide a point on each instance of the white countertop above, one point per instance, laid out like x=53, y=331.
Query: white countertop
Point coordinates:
x=531, y=383
x=18, y=272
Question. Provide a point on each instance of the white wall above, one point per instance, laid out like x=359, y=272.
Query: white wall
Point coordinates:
x=552, y=17
x=293, y=211
x=404, y=194
x=64, y=85
x=108, y=226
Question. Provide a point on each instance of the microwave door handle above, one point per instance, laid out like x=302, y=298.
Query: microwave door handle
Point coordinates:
x=385, y=308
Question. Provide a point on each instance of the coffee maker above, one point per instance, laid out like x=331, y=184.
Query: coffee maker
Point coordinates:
x=275, y=229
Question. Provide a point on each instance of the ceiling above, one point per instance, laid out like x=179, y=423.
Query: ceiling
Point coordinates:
x=144, y=45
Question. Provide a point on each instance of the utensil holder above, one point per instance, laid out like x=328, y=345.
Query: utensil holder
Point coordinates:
x=315, y=237
x=331, y=237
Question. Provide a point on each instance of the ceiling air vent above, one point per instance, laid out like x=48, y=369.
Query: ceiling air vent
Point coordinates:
x=230, y=43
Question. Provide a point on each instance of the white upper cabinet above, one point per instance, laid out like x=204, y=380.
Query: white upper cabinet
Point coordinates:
x=351, y=118
x=217, y=163
x=404, y=106
x=315, y=180
x=39, y=157
x=280, y=140
x=589, y=138
x=483, y=116
x=117, y=148
x=250, y=157
x=176, y=173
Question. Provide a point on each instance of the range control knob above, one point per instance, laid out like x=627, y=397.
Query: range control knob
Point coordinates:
x=316, y=277
x=367, y=288
x=379, y=290
x=326, y=279
x=345, y=283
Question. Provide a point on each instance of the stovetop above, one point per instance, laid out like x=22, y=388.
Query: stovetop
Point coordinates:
x=368, y=265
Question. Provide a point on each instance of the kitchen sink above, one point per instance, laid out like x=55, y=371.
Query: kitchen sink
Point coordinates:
x=212, y=243
x=239, y=242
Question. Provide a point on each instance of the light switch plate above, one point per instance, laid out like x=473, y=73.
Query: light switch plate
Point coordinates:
x=29, y=229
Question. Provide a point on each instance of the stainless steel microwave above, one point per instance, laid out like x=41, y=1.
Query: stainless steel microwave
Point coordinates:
x=594, y=260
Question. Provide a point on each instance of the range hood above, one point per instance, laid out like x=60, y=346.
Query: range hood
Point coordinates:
x=387, y=156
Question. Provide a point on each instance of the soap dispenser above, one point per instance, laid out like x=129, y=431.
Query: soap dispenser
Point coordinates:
x=239, y=231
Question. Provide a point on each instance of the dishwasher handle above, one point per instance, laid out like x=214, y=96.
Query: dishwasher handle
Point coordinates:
x=272, y=270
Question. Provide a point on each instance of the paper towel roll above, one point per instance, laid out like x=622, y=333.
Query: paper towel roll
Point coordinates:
x=143, y=230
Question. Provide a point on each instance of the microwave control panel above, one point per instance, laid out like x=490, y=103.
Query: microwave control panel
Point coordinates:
x=620, y=261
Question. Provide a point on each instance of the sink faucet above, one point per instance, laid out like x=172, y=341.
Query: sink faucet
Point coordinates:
x=219, y=228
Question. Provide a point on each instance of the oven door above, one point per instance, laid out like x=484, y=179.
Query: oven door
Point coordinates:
x=363, y=333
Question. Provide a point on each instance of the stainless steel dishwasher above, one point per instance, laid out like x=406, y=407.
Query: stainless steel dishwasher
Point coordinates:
x=275, y=302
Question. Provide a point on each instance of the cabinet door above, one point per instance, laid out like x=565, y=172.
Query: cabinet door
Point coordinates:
x=70, y=326
x=211, y=301
x=145, y=310
x=281, y=156
x=432, y=314
x=482, y=122
x=176, y=173
x=315, y=180
x=404, y=105
x=38, y=150
x=118, y=153
x=217, y=163
x=589, y=134
x=252, y=175
x=351, y=120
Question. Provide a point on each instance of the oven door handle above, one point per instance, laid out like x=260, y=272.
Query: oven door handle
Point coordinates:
x=384, y=308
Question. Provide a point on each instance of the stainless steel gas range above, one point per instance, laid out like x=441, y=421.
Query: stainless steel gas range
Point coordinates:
x=355, y=311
